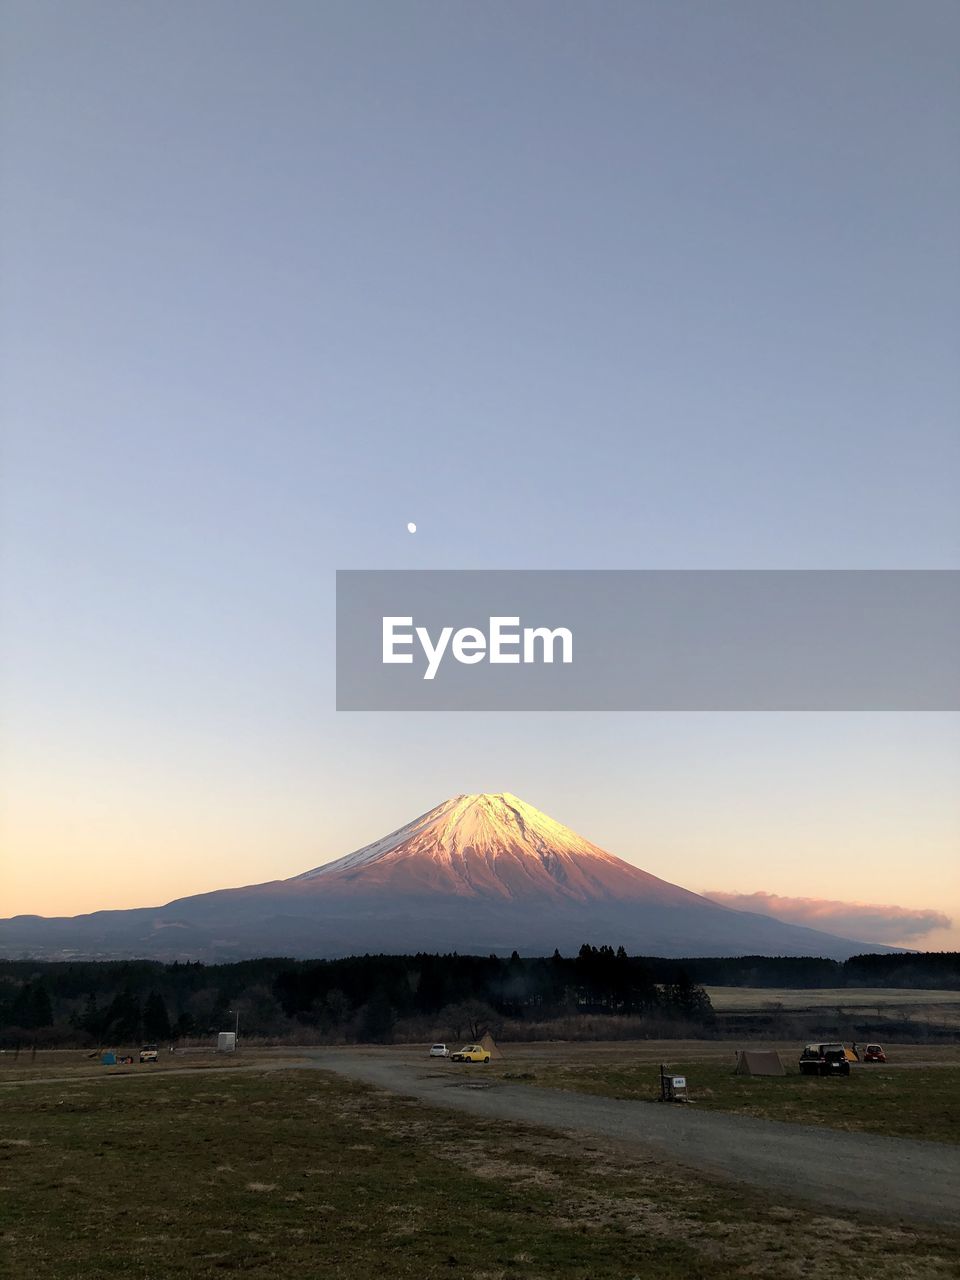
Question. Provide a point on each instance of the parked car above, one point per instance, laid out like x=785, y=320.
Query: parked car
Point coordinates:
x=470, y=1053
x=824, y=1060
x=148, y=1053
x=874, y=1053
x=439, y=1051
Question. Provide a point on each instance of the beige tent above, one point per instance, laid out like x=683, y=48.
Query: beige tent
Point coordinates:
x=759, y=1062
x=490, y=1045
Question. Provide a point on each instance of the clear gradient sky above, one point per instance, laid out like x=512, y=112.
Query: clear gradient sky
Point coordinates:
x=569, y=285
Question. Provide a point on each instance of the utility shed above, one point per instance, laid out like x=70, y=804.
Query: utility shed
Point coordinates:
x=759, y=1062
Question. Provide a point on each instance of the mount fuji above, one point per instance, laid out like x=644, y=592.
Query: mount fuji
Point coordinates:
x=478, y=874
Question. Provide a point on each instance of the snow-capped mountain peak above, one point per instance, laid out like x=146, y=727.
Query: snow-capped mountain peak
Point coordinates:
x=491, y=845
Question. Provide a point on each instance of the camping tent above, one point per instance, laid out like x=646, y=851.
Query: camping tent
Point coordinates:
x=759, y=1062
x=490, y=1045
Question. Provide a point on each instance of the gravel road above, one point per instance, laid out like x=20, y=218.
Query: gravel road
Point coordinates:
x=896, y=1177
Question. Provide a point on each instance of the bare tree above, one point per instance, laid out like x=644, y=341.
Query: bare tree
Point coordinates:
x=470, y=1016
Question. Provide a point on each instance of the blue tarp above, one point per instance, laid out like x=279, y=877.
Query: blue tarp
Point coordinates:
x=108, y=1059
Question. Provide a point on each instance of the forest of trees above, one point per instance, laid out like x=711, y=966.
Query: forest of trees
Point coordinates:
x=383, y=998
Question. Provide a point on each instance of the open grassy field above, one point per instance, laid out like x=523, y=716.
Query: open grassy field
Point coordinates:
x=937, y=1008
x=296, y=1174
x=924, y=1103
x=69, y=1064
x=915, y=1095
x=748, y=998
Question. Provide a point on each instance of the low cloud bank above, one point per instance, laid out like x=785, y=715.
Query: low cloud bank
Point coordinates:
x=860, y=920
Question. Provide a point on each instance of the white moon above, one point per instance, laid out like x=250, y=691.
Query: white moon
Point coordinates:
x=411, y=527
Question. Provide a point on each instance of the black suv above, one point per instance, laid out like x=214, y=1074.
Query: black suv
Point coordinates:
x=824, y=1060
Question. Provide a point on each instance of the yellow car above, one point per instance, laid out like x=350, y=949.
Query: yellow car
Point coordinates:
x=470, y=1053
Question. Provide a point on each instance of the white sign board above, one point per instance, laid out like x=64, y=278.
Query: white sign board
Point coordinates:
x=679, y=1082
x=226, y=1042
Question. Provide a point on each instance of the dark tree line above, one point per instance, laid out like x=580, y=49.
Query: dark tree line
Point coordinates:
x=597, y=980
x=30, y=1007
x=372, y=998
x=127, y=1017
x=932, y=970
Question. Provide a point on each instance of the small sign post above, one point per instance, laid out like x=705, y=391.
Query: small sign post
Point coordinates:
x=672, y=1088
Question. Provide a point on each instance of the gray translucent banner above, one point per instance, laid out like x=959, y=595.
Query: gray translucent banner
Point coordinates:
x=648, y=640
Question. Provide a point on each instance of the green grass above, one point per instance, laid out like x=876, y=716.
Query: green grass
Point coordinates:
x=292, y=1174
x=905, y=1103
x=299, y=1175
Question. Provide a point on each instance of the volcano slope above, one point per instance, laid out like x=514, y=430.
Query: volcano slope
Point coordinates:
x=477, y=874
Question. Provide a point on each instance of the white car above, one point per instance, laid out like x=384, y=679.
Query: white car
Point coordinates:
x=149, y=1053
x=439, y=1051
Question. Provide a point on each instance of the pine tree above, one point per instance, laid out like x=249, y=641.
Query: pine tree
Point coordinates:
x=20, y=1007
x=186, y=1025
x=376, y=1020
x=42, y=1012
x=689, y=999
x=91, y=1016
x=156, y=1020
x=31, y=1007
x=122, y=1019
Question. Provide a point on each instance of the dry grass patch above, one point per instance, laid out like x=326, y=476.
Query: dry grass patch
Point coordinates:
x=171, y=1185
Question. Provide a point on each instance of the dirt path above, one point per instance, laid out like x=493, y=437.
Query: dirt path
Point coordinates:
x=894, y=1177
